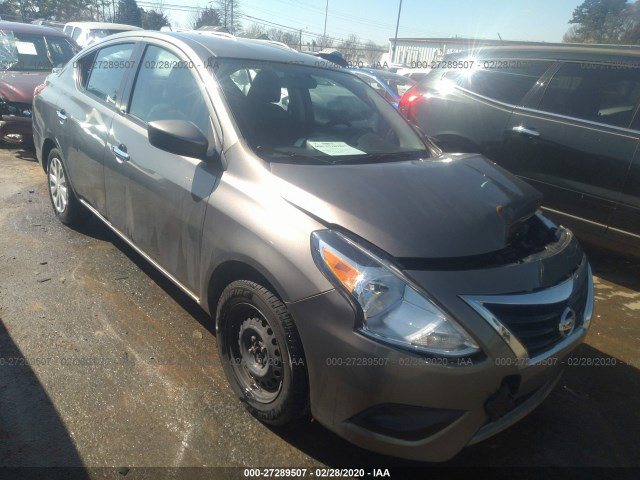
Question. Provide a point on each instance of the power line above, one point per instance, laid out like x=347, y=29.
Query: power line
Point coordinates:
x=195, y=9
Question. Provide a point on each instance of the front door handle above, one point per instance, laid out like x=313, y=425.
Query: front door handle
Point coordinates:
x=529, y=132
x=121, y=152
x=62, y=116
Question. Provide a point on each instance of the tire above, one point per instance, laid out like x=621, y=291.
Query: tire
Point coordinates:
x=261, y=353
x=63, y=199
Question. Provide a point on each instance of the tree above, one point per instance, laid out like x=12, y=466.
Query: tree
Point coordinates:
x=19, y=10
x=324, y=42
x=129, y=13
x=631, y=25
x=291, y=39
x=572, y=35
x=598, y=21
x=229, y=11
x=349, y=48
x=152, y=20
x=255, y=30
x=207, y=17
x=372, y=52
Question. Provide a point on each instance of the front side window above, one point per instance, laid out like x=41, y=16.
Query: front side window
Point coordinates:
x=107, y=71
x=599, y=93
x=301, y=114
x=506, y=81
x=166, y=89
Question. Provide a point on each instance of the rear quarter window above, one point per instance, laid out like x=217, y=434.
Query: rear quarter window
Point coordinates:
x=506, y=81
x=595, y=92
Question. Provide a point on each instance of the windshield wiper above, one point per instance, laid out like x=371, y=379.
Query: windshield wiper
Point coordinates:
x=384, y=157
x=291, y=155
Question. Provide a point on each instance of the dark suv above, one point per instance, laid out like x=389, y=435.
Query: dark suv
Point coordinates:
x=565, y=119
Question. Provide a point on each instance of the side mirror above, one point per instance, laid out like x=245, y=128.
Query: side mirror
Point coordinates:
x=178, y=136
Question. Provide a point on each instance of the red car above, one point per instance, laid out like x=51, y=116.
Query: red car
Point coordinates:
x=28, y=53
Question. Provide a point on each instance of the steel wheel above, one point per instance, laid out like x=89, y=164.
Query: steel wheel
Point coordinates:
x=261, y=353
x=58, y=185
x=257, y=360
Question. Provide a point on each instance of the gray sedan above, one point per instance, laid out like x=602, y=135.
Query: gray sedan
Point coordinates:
x=412, y=302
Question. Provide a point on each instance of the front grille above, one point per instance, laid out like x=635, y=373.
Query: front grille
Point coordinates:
x=536, y=326
x=533, y=323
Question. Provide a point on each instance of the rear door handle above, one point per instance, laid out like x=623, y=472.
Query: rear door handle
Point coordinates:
x=121, y=152
x=529, y=132
x=62, y=116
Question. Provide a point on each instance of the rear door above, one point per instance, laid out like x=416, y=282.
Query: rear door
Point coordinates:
x=85, y=114
x=473, y=115
x=625, y=222
x=575, y=145
x=155, y=198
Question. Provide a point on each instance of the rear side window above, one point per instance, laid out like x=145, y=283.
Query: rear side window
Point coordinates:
x=506, y=81
x=599, y=93
x=76, y=33
x=107, y=71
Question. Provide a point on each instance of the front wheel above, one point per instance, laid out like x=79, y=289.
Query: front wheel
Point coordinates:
x=65, y=203
x=261, y=353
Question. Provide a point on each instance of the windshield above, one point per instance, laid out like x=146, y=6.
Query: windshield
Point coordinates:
x=23, y=51
x=398, y=83
x=298, y=114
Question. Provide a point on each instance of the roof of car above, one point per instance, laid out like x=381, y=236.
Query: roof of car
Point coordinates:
x=106, y=25
x=580, y=52
x=29, y=28
x=374, y=72
x=225, y=46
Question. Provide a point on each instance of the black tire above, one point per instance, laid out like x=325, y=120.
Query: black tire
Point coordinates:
x=63, y=199
x=261, y=353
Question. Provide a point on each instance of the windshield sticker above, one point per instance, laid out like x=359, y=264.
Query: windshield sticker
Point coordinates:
x=335, y=148
x=26, y=48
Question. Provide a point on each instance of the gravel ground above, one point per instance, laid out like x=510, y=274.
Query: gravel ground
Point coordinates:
x=107, y=364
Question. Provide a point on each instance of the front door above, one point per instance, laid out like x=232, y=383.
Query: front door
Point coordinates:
x=155, y=198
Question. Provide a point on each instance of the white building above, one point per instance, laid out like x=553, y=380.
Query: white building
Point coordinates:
x=420, y=52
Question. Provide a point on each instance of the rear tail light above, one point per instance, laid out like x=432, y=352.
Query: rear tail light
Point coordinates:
x=39, y=89
x=408, y=101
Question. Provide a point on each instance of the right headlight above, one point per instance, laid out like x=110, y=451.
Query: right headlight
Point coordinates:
x=394, y=311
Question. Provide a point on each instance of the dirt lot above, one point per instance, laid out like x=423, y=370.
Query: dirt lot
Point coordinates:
x=107, y=364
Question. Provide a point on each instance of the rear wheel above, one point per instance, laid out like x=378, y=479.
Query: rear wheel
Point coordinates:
x=65, y=203
x=261, y=353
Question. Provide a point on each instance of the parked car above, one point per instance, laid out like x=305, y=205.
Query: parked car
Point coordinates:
x=414, y=302
x=86, y=33
x=565, y=119
x=390, y=86
x=416, y=74
x=28, y=53
x=334, y=57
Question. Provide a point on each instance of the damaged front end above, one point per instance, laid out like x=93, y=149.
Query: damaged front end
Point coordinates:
x=15, y=121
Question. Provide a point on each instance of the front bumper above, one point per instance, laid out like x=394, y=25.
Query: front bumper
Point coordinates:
x=397, y=403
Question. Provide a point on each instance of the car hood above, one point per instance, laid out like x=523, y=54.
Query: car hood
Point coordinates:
x=19, y=86
x=449, y=206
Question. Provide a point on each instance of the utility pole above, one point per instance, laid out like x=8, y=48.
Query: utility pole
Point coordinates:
x=395, y=38
x=326, y=11
x=300, y=40
x=232, y=29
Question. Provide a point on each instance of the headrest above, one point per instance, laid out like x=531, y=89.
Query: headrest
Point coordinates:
x=265, y=87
